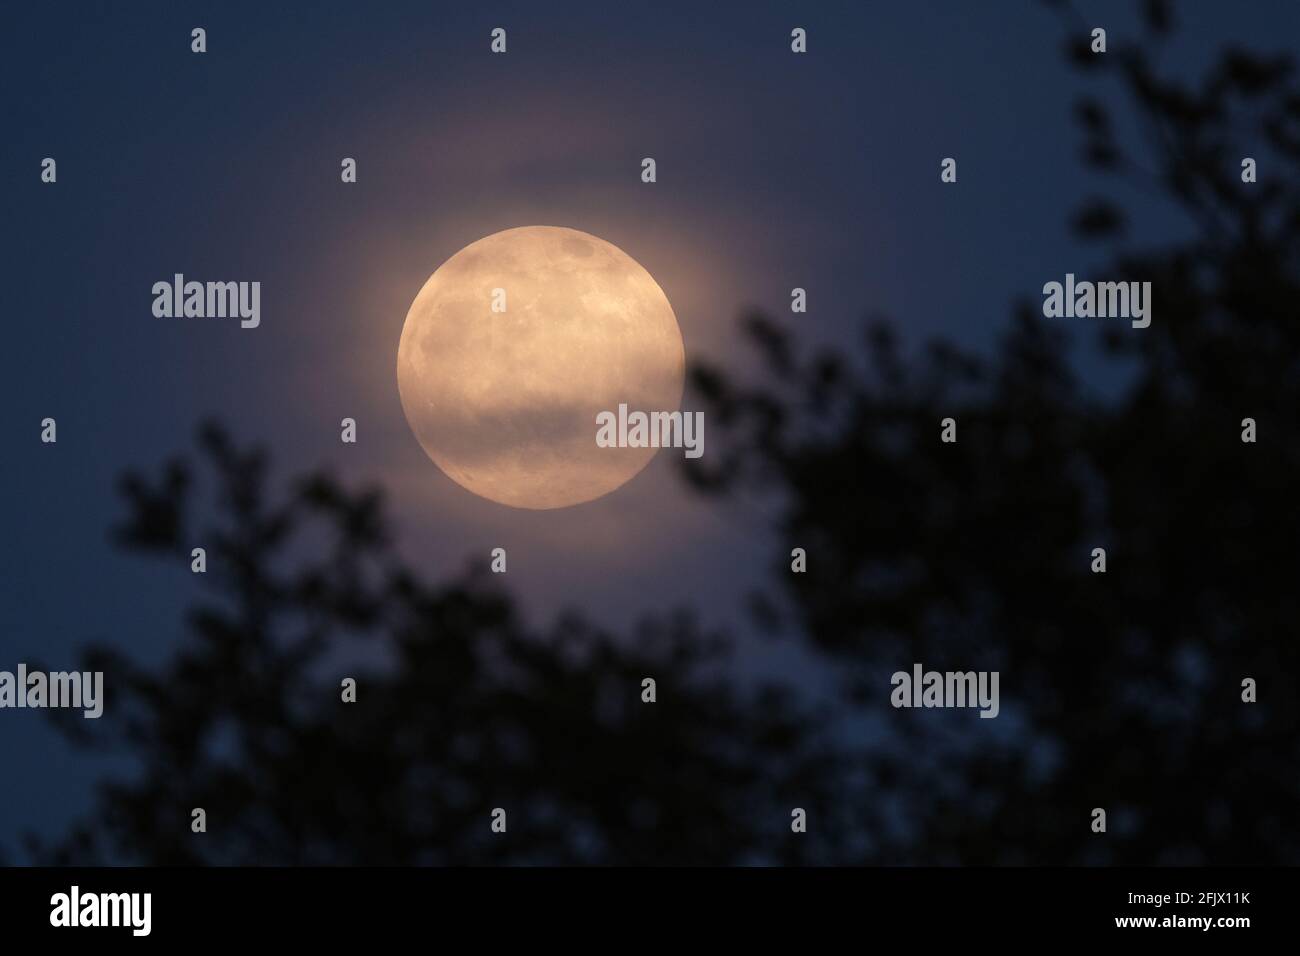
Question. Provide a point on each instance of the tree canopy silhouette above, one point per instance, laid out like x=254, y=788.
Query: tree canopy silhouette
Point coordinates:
x=460, y=708
x=1123, y=688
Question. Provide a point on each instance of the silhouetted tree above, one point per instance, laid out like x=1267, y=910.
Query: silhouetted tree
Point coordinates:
x=1121, y=690
x=460, y=709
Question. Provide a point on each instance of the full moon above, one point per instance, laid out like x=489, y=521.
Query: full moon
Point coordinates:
x=512, y=348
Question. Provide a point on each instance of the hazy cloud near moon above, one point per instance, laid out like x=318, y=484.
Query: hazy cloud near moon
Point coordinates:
x=506, y=403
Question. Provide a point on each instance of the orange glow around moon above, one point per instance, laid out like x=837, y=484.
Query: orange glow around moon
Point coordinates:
x=505, y=402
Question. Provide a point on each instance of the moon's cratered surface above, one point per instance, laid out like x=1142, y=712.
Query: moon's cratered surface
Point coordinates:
x=505, y=402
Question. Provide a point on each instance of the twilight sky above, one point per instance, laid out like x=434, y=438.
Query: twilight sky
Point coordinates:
x=774, y=171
